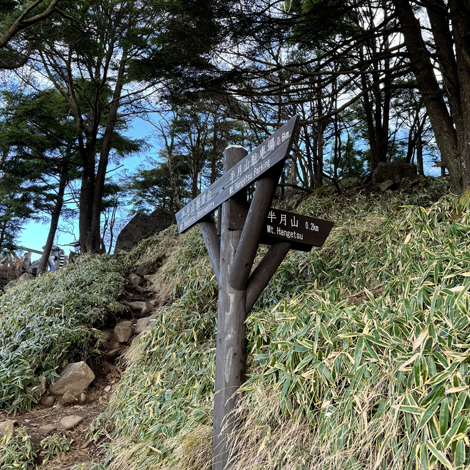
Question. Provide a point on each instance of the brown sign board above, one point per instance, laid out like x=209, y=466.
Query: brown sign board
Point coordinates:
x=261, y=159
x=300, y=230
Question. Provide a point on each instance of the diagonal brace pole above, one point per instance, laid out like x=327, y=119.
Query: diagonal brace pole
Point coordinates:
x=253, y=229
x=212, y=242
x=264, y=272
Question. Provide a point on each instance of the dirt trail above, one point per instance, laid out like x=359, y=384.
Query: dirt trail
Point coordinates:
x=39, y=423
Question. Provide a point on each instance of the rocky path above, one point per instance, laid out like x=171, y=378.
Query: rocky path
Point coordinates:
x=77, y=398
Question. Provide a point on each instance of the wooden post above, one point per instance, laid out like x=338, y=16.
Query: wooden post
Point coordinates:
x=251, y=234
x=212, y=242
x=230, y=351
x=264, y=272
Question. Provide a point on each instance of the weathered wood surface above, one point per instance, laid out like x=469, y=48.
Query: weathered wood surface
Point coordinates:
x=212, y=242
x=253, y=227
x=301, y=231
x=264, y=272
x=230, y=348
x=250, y=169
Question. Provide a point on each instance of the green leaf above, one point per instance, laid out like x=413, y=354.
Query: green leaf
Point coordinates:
x=459, y=405
x=371, y=351
x=452, y=432
x=416, y=410
x=428, y=414
x=286, y=386
x=459, y=458
x=324, y=332
x=424, y=458
x=358, y=352
x=444, y=417
x=439, y=455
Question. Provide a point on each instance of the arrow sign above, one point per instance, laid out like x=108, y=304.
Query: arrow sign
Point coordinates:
x=265, y=156
x=300, y=230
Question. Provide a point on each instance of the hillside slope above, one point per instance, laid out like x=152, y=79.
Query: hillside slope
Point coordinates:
x=357, y=357
x=357, y=352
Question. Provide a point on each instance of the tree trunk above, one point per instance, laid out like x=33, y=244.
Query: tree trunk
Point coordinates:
x=55, y=216
x=86, y=201
x=419, y=155
x=451, y=131
x=95, y=225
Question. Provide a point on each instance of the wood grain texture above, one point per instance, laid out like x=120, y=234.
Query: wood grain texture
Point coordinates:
x=253, y=228
x=212, y=242
x=230, y=348
x=264, y=272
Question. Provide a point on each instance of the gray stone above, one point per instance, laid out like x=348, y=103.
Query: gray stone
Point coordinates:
x=47, y=428
x=113, y=344
x=140, y=306
x=47, y=402
x=106, y=335
x=70, y=398
x=394, y=171
x=140, y=227
x=134, y=341
x=141, y=325
x=112, y=355
x=70, y=422
x=39, y=390
x=135, y=280
x=386, y=185
x=76, y=377
x=6, y=428
x=123, y=331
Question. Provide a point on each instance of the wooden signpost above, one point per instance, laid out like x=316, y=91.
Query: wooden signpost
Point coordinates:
x=301, y=231
x=243, y=227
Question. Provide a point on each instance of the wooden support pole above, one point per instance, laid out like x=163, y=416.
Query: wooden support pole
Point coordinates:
x=264, y=272
x=212, y=242
x=231, y=315
x=252, y=231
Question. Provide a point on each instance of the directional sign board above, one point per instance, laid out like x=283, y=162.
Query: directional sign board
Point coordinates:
x=302, y=231
x=266, y=155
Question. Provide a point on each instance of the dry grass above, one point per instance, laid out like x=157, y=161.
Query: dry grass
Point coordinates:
x=357, y=353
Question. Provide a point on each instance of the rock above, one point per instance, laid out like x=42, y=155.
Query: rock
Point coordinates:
x=75, y=377
x=112, y=355
x=348, y=182
x=113, y=344
x=386, y=185
x=141, y=325
x=106, y=335
x=135, y=339
x=47, y=428
x=83, y=398
x=70, y=422
x=108, y=368
x=47, y=402
x=143, y=308
x=394, y=171
x=70, y=398
x=142, y=226
x=6, y=428
x=39, y=390
x=135, y=280
x=25, y=277
x=123, y=331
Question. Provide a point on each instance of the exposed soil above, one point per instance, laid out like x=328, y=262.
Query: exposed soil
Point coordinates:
x=107, y=372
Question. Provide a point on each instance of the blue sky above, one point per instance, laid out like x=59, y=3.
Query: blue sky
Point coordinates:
x=34, y=234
